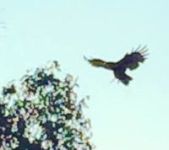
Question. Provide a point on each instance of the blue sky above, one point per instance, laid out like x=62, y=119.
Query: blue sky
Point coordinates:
x=123, y=118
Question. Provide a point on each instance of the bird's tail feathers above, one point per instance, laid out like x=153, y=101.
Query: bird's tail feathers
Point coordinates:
x=96, y=62
x=85, y=58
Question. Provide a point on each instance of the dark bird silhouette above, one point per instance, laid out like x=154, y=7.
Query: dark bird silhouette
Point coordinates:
x=129, y=61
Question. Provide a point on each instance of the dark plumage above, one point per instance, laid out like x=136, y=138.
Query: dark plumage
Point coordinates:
x=129, y=61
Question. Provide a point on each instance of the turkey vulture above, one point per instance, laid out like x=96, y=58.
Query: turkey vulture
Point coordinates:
x=129, y=61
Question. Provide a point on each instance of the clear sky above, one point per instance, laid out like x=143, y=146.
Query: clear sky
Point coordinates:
x=135, y=117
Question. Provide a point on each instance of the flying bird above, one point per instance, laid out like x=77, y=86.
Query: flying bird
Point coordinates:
x=129, y=61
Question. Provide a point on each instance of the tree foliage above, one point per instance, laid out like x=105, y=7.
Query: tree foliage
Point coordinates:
x=42, y=111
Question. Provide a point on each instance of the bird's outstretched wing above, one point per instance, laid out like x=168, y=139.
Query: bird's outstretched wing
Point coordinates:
x=133, y=59
x=122, y=76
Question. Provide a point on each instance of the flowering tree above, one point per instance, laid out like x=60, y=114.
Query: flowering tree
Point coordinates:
x=41, y=111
